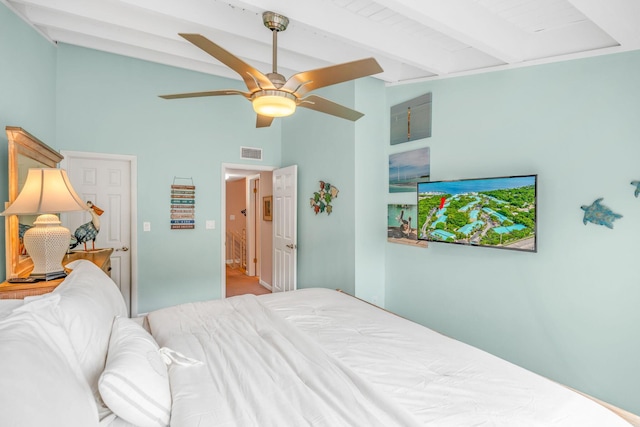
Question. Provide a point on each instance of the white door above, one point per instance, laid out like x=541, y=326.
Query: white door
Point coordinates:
x=285, y=182
x=106, y=180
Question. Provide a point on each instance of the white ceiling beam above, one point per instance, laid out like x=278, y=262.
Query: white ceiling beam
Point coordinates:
x=578, y=37
x=207, y=14
x=126, y=49
x=126, y=14
x=131, y=25
x=150, y=40
x=299, y=37
x=619, y=18
x=105, y=10
x=360, y=31
x=248, y=22
x=466, y=21
x=129, y=14
x=411, y=39
x=135, y=21
x=20, y=13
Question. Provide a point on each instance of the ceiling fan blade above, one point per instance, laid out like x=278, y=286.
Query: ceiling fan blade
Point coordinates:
x=306, y=81
x=209, y=93
x=252, y=77
x=323, y=105
x=263, y=121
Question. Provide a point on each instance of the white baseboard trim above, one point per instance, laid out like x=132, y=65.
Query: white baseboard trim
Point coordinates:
x=266, y=285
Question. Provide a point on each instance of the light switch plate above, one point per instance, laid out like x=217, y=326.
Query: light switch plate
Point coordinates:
x=210, y=224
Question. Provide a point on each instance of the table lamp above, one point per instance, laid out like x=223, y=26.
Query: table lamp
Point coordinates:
x=46, y=192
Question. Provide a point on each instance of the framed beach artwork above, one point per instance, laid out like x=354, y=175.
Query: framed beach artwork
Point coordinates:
x=402, y=225
x=408, y=168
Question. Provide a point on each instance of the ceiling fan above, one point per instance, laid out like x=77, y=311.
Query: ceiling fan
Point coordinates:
x=271, y=94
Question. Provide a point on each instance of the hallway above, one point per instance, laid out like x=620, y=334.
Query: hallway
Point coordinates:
x=239, y=283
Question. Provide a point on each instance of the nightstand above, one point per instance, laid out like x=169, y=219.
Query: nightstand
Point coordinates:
x=100, y=257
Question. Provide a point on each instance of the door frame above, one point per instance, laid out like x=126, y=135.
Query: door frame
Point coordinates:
x=223, y=213
x=253, y=238
x=133, y=217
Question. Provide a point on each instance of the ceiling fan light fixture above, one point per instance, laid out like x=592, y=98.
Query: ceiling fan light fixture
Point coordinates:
x=272, y=95
x=273, y=103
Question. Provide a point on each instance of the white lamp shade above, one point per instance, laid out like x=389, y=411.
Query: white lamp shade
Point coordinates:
x=46, y=191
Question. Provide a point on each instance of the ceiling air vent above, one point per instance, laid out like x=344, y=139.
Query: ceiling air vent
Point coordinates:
x=251, y=153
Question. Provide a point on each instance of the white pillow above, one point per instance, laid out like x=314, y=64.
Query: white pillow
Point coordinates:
x=40, y=382
x=89, y=301
x=135, y=382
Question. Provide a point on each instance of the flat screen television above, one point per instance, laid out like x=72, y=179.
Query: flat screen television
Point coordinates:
x=491, y=212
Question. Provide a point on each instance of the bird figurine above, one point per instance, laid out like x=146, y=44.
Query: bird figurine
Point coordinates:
x=89, y=231
x=637, y=185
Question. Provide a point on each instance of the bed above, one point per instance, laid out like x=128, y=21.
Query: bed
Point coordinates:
x=313, y=357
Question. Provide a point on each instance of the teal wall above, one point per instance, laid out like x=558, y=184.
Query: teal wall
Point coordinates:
x=323, y=148
x=342, y=250
x=109, y=104
x=570, y=311
x=27, y=92
x=370, y=221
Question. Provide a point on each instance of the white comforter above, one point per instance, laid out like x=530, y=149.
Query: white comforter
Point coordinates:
x=260, y=371
x=321, y=358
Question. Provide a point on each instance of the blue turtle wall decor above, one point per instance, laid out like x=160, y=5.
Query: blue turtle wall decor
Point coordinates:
x=599, y=214
x=637, y=185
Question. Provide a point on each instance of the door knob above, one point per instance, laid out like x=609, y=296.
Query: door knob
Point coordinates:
x=123, y=249
x=291, y=246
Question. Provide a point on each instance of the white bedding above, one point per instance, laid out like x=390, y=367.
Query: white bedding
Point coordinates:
x=318, y=357
x=260, y=371
x=7, y=306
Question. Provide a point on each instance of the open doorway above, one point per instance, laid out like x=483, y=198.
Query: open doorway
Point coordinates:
x=247, y=240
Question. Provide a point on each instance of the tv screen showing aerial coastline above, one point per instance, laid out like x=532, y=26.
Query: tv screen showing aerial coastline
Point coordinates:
x=492, y=212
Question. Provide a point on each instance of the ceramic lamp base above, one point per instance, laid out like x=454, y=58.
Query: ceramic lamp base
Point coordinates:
x=47, y=243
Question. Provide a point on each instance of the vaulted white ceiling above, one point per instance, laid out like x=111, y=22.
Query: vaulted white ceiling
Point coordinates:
x=411, y=39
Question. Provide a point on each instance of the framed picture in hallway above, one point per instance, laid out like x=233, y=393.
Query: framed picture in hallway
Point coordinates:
x=266, y=208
